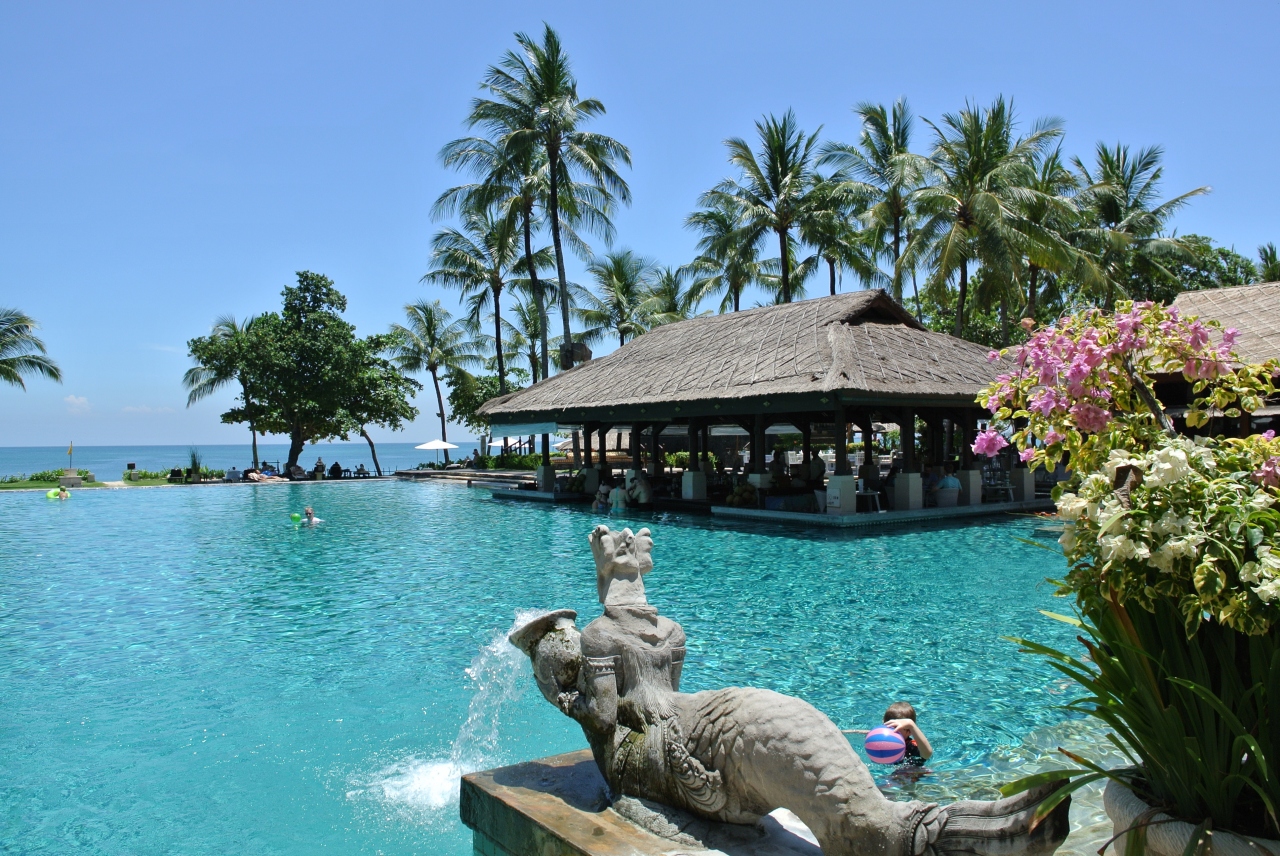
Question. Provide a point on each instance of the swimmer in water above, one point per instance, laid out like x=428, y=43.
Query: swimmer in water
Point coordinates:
x=309, y=517
x=63, y=494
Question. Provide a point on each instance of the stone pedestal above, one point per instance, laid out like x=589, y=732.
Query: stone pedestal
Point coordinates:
x=590, y=479
x=761, y=480
x=908, y=492
x=842, y=495
x=970, y=487
x=546, y=479
x=559, y=806
x=1024, y=484
x=70, y=481
x=693, y=485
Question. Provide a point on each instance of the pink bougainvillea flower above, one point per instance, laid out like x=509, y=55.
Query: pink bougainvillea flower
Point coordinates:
x=989, y=443
x=1053, y=437
x=1089, y=417
x=1026, y=455
x=1269, y=474
x=1268, y=435
x=992, y=356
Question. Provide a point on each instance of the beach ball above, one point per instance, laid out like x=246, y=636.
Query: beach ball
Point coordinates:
x=295, y=517
x=885, y=746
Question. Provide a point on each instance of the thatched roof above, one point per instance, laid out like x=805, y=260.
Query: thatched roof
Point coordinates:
x=862, y=343
x=1254, y=310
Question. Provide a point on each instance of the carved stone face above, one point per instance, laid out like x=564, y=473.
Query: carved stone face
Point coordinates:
x=622, y=557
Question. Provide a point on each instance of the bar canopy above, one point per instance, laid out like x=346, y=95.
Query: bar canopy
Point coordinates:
x=859, y=353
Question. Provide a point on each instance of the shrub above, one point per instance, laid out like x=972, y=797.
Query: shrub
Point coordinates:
x=1173, y=551
x=52, y=476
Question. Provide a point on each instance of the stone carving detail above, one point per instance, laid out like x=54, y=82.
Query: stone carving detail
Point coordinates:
x=733, y=755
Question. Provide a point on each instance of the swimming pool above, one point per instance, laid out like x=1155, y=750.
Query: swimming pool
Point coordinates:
x=184, y=671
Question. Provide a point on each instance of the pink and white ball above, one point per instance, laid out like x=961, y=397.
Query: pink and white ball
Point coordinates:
x=884, y=745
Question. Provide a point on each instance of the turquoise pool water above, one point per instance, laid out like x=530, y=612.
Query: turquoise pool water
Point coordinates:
x=184, y=671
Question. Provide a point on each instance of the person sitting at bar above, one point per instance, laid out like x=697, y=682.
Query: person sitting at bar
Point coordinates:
x=641, y=492
x=949, y=480
x=929, y=479
x=869, y=472
x=335, y=470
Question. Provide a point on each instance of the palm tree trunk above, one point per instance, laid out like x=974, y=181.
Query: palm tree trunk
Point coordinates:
x=497, y=337
x=897, y=254
x=377, y=468
x=539, y=298
x=786, y=274
x=964, y=292
x=737, y=296
x=553, y=208
x=831, y=263
x=444, y=430
x=1031, y=292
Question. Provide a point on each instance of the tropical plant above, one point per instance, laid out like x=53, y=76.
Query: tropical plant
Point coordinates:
x=882, y=160
x=524, y=335
x=22, y=354
x=480, y=259
x=536, y=108
x=619, y=303
x=431, y=341
x=1268, y=263
x=221, y=360
x=728, y=262
x=1173, y=550
x=1124, y=224
x=378, y=393
x=772, y=191
x=979, y=176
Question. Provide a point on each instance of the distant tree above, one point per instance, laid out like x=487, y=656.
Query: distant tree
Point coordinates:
x=772, y=191
x=466, y=393
x=1268, y=263
x=221, y=359
x=1125, y=227
x=729, y=260
x=668, y=299
x=831, y=229
x=431, y=341
x=22, y=353
x=302, y=366
x=378, y=393
x=617, y=304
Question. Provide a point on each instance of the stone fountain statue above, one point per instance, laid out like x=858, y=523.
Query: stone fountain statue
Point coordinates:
x=733, y=755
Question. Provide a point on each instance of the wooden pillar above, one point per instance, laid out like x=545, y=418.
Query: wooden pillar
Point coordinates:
x=586, y=449
x=705, y=444
x=546, y=450
x=635, y=446
x=604, y=447
x=656, y=464
x=842, y=442
x=757, y=444
x=693, y=447
x=806, y=431
x=968, y=427
x=907, y=435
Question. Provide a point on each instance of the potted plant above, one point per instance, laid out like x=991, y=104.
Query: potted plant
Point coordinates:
x=194, y=472
x=1173, y=552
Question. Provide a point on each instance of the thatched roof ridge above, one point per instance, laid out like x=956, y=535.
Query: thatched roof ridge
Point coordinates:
x=1254, y=310
x=861, y=342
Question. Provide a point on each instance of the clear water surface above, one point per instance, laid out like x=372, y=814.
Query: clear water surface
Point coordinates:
x=185, y=671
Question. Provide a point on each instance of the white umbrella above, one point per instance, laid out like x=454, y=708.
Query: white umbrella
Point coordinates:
x=436, y=445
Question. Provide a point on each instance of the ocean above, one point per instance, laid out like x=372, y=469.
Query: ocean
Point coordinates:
x=108, y=463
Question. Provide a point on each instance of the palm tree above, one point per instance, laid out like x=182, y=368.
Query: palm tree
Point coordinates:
x=668, y=299
x=523, y=328
x=829, y=228
x=727, y=261
x=536, y=107
x=432, y=341
x=883, y=160
x=480, y=259
x=623, y=282
x=1124, y=224
x=222, y=364
x=1049, y=215
x=1268, y=263
x=21, y=351
x=980, y=175
x=773, y=189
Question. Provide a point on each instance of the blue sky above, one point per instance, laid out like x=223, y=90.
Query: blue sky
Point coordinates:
x=161, y=164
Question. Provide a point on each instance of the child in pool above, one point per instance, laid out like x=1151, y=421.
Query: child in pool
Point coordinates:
x=901, y=717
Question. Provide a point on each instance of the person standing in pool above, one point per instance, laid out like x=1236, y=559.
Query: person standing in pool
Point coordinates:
x=309, y=517
x=62, y=493
x=901, y=717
